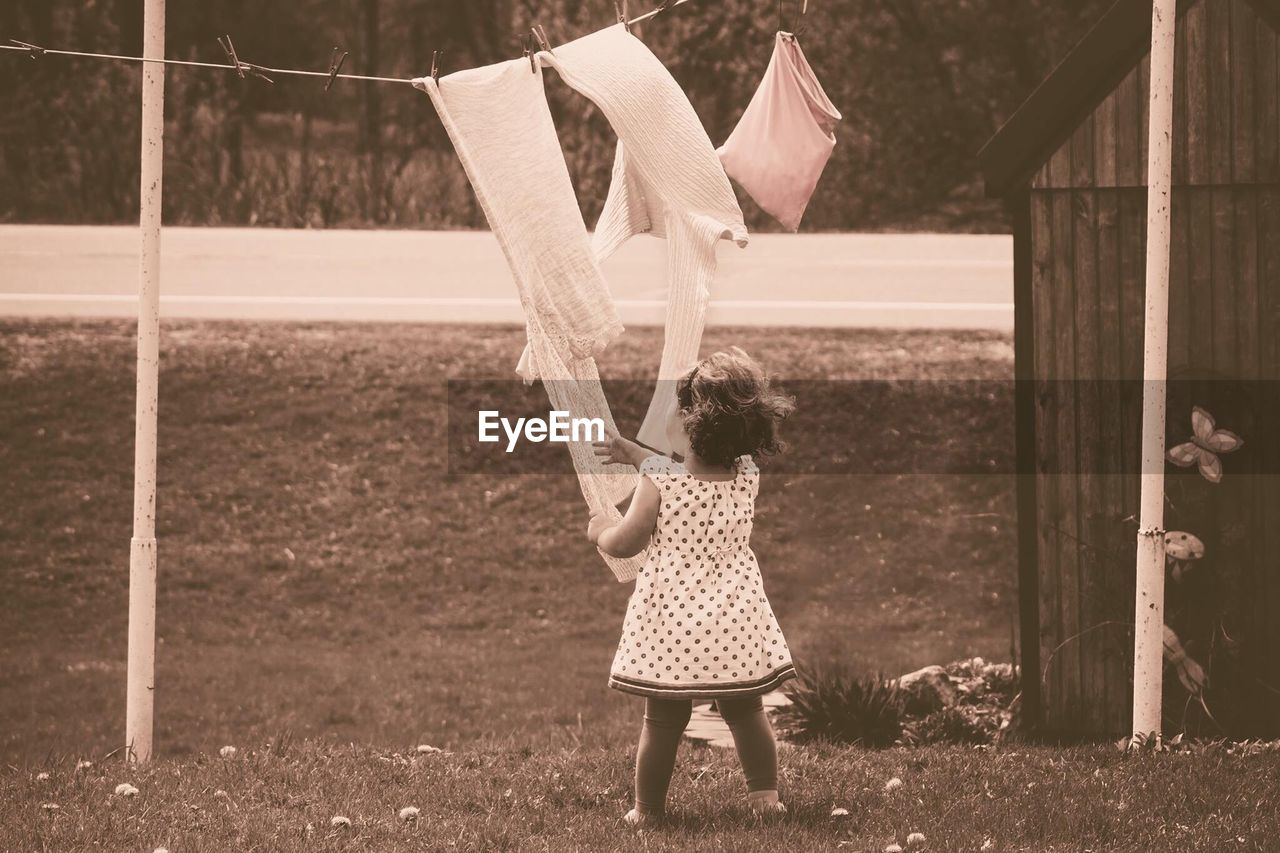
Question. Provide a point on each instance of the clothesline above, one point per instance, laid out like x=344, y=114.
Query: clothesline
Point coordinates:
x=246, y=66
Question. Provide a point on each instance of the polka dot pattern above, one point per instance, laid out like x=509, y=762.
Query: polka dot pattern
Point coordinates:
x=698, y=622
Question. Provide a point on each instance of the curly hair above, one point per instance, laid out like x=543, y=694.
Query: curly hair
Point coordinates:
x=729, y=409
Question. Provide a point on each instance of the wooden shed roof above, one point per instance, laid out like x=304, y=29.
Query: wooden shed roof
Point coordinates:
x=1081, y=81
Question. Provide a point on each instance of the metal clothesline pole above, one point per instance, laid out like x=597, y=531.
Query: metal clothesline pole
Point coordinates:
x=296, y=72
x=1148, y=635
x=140, y=675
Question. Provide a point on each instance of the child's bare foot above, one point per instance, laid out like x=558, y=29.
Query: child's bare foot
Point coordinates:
x=766, y=803
x=641, y=820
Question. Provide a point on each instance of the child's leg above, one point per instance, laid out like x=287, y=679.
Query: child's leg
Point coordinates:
x=757, y=750
x=664, y=722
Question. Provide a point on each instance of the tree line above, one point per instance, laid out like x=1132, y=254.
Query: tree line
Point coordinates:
x=921, y=83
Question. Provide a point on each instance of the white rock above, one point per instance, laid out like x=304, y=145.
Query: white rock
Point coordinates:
x=408, y=813
x=893, y=784
x=124, y=789
x=50, y=807
x=931, y=687
x=227, y=752
x=893, y=848
x=915, y=839
x=427, y=749
x=839, y=812
x=340, y=821
x=161, y=850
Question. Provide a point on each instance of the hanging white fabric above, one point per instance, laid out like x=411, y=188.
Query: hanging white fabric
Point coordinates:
x=498, y=120
x=667, y=181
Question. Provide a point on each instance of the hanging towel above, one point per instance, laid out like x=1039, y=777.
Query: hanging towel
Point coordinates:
x=667, y=182
x=498, y=120
x=785, y=137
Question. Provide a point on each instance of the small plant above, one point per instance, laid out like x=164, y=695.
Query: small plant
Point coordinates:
x=865, y=710
x=949, y=726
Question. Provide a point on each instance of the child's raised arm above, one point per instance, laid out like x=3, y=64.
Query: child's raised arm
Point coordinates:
x=621, y=451
x=628, y=537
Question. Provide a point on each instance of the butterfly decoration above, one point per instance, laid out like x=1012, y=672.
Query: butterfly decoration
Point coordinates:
x=1207, y=441
x=1190, y=673
x=1181, y=549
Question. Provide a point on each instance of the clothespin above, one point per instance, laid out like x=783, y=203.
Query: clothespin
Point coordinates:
x=662, y=7
x=540, y=35
x=620, y=6
x=257, y=71
x=33, y=51
x=435, y=64
x=798, y=29
x=526, y=45
x=238, y=65
x=335, y=65
x=230, y=50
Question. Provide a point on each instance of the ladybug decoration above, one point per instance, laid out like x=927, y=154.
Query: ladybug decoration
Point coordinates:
x=1181, y=550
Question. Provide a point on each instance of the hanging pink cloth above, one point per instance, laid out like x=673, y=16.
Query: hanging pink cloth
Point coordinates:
x=784, y=138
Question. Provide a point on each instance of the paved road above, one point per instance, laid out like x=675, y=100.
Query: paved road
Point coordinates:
x=847, y=280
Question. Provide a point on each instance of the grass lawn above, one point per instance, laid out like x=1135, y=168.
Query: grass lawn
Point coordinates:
x=516, y=798
x=324, y=574
x=333, y=592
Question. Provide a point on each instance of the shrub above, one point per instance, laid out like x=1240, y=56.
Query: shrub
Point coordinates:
x=865, y=710
x=949, y=726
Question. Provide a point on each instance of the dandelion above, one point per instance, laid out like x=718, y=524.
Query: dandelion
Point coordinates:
x=408, y=814
x=915, y=839
x=427, y=749
x=893, y=784
x=161, y=850
x=124, y=789
x=988, y=844
x=50, y=807
x=42, y=776
x=839, y=812
x=83, y=765
x=893, y=848
x=227, y=752
x=339, y=821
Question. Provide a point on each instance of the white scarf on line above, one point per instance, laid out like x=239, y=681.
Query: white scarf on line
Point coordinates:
x=667, y=181
x=498, y=120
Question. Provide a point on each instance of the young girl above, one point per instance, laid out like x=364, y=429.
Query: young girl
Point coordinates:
x=698, y=625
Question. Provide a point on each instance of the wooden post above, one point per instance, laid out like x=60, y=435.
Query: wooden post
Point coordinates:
x=140, y=694
x=1148, y=635
x=1024, y=397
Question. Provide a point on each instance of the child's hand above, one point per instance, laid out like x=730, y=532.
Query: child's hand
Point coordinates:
x=598, y=524
x=620, y=451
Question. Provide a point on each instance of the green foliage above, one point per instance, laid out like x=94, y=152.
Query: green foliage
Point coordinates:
x=955, y=725
x=502, y=797
x=842, y=708
x=921, y=83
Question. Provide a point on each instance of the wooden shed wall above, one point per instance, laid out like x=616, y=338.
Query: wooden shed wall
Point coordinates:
x=1087, y=232
x=1225, y=121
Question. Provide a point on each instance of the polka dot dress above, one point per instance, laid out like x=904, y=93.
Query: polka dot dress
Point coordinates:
x=698, y=624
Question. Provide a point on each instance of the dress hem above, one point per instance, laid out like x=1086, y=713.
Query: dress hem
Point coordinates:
x=704, y=691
